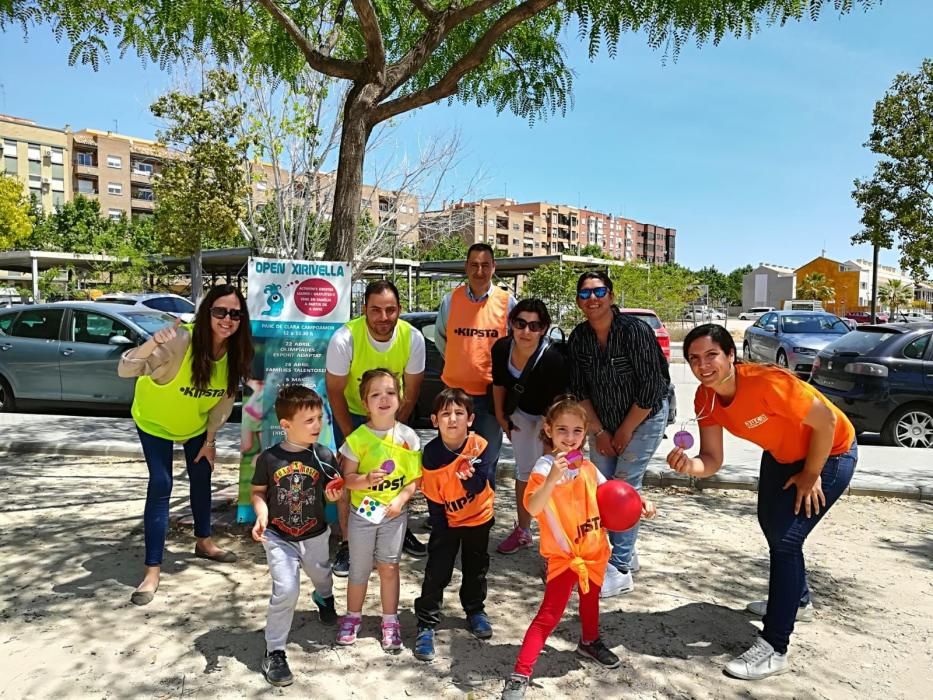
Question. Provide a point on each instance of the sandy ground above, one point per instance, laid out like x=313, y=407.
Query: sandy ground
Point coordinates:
x=72, y=551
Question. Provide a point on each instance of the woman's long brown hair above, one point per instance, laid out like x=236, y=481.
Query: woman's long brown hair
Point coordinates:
x=239, y=345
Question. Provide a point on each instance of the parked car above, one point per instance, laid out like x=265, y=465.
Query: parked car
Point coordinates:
x=426, y=322
x=755, y=313
x=881, y=377
x=910, y=317
x=169, y=303
x=66, y=353
x=703, y=314
x=791, y=339
x=803, y=305
x=861, y=317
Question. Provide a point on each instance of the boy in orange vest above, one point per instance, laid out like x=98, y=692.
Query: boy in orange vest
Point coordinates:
x=456, y=470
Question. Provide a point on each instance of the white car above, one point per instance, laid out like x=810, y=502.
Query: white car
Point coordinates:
x=754, y=313
x=701, y=313
x=909, y=317
x=169, y=303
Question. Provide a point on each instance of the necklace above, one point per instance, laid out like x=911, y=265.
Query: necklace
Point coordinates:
x=332, y=474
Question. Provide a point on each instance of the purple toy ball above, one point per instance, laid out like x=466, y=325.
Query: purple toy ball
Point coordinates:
x=683, y=439
x=574, y=456
x=388, y=466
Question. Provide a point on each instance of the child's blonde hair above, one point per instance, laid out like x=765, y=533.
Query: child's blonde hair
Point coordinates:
x=565, y=403
x=371, y=375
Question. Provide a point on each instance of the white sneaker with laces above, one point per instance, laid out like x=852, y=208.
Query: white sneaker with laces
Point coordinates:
x=760, y=607
x=615, y=582
x=758, y=662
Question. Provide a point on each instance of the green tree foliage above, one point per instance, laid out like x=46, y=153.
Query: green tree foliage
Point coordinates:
x=556, y=285
x=734, y=284
x=897, y=201
x=816, y=286
x=663, y=288
x=594, y=251
x=399, y=55
x=15, y=224
x=896, y=295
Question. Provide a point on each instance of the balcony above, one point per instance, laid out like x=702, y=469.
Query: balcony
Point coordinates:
x=140, y=176
x=85, y=169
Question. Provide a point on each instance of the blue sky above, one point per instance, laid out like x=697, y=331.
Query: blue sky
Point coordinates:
x=749, y=149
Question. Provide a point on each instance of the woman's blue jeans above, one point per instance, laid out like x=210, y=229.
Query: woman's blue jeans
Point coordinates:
x=786, y=533
x=158, y=452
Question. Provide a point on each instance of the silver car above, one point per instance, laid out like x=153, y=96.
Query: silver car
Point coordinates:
x=791, y=339
x=67, y=353
x=169, y=303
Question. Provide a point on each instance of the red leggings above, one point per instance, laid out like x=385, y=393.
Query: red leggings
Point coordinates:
x=556, y=594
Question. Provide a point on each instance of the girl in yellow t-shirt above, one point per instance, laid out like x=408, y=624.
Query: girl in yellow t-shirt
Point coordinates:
x=561, y=496
x=382, y=467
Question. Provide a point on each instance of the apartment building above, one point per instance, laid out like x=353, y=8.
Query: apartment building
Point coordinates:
x=517, y=229
x=117, y=170
x=38, y=156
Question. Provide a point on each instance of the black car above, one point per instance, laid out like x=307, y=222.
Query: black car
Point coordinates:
x=881, y=376
x=426, y=321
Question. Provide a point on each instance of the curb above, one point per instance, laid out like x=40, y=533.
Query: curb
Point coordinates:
x=224, y=456
x=506, y=469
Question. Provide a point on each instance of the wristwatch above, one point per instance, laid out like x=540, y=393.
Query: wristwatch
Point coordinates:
x=212, y=444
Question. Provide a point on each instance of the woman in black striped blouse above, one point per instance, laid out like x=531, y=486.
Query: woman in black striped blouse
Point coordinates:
x=620, y=374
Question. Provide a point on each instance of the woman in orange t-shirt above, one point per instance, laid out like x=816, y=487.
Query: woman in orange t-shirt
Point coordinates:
x=561, y=495
x=809, y=458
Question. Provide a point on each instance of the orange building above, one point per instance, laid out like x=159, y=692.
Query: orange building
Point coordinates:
x=844, y=278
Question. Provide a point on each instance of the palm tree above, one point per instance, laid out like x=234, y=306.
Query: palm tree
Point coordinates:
x=816, y=286
x=896, y=294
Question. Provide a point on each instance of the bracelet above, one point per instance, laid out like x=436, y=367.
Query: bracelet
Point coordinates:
x=599, y=432
x=212, y=444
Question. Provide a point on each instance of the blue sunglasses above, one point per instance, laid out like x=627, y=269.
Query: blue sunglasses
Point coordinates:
x=598, y=292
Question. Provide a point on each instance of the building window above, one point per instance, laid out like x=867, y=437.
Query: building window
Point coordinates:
x=35, y=168
x=58, y=171
x=35, y=195
x=144, y=194
x=9, y=148
x=115, y=214
x=142, y=168
x=87, y=186
x=9, y=166
x=85, y=158
x=261, y=187
x=58, y=199
x=35, y=182
x=34, y=153
x=114, y=188
x=57, y=156
x=114, y=162
x=58, y=184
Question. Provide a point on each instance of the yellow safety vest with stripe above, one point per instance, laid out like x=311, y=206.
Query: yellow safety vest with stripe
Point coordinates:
x=366, y=357
x=372, y=452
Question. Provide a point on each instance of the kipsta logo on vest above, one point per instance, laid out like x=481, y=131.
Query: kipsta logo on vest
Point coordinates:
x=480, y=332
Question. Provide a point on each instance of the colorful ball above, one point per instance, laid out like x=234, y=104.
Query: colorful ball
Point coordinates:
x=574, y=456
x=683, y=439
x=619, y=505
x=388, y=466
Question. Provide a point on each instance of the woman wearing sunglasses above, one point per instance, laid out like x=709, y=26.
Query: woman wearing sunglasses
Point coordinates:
x=188, y=378
x=620, y=374
x=528, y=373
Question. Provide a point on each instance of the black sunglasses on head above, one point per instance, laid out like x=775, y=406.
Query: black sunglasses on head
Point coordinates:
x=221, y=312
x=534, y=326
x=598, y=292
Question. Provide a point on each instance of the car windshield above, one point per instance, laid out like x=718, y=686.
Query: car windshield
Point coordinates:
x=150, y=321
x=650, y=319
x=861, y=341
x=814, y=323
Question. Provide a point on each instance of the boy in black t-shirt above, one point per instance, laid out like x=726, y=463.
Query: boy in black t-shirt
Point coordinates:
x=291, y=481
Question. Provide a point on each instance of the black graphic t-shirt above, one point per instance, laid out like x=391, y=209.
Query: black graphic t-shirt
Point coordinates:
x=295, y=483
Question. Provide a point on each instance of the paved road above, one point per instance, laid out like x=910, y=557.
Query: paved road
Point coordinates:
x=882, y=470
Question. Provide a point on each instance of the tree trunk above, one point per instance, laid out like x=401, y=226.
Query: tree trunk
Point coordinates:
x=348, y=188
x=196, y=281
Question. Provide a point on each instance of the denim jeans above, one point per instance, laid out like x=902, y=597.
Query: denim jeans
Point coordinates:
x=630, y=466
x=786, y=533
x=158, y=452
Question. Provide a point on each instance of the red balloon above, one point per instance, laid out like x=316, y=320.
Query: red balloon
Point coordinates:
x=619, y=505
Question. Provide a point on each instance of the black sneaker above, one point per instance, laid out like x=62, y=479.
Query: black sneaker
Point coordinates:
x=341, y=565
x=515, y=687
x=275, y=668
x=413, y=545
x=598, y=652
x=326, y=608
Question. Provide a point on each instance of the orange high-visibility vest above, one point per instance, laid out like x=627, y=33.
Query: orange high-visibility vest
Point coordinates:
x=443, y=486
x=572, y=536
x=472, y=328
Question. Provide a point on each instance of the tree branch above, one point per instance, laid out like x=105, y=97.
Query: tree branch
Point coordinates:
x=372, y=34
x=447, y=85
x=426, y=8
x=335, y=67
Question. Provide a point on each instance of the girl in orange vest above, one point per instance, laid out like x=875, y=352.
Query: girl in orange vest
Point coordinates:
x=561, y=496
